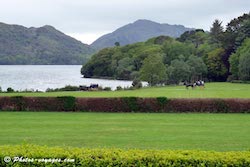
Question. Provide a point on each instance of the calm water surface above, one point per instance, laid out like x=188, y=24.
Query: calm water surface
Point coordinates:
x=41, y=77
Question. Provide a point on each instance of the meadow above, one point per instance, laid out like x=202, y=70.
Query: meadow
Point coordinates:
x=212, y=90
x=219, y=132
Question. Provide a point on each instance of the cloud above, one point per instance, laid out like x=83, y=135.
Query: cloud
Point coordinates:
x=95, y=16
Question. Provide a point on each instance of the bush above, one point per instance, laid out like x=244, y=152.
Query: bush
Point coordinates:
x=66, y=88
x=107, y=89
x=221, y=106
x=118, y=88
x=119, y=157
x=124, y=104
x=162, y=101
x=10, y=90
x=69, y=103
x=240, y=81
x=131, y=102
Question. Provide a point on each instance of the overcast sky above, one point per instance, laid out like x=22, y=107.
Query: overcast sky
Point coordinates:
x=87, y=20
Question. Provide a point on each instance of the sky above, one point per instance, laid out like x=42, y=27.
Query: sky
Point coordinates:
x=86, y=20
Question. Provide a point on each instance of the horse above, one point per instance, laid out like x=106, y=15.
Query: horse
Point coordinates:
x=189, y=85
x=200, y=83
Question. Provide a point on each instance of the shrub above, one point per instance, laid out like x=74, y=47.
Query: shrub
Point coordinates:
x=66, y=88
x=69, y=103
x=221, y=105
x=19, y=103
x=240, y=81
x=124, y=104
x=162, y=101
x=10, y=90
x=107, y=89
x=119, y=157
x=118, y=88
x=131, y=102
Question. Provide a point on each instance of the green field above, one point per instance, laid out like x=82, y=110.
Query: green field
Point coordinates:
x=221, y=132
x=212, y=90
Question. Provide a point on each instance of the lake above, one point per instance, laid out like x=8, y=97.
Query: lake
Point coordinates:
x=41, y=77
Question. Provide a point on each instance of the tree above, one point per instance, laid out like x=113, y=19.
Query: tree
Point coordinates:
x=178, y=71
x=217, y=70
x=125, y=68
x=216, y=31
x=240, y=61
x=197, y=37
x=153, y=70
x=244, y=66
x=117, y=43
x=198, y=68
x=234, y=65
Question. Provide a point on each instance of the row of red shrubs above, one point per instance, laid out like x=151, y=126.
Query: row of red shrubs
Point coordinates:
x=123, y=104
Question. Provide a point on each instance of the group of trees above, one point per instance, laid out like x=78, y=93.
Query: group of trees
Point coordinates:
x=217, y=55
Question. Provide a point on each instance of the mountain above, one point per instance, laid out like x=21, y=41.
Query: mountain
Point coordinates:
x=139, y=31
x=43, y=45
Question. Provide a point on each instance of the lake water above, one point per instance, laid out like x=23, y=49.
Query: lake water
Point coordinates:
x=41, y=77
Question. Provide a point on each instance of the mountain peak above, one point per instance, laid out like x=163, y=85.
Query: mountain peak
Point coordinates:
x=144, y=21
x=138, y=31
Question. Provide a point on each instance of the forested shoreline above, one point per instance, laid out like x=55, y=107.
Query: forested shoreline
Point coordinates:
x=218, y=55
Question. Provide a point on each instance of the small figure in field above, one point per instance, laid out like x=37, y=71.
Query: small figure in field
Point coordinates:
x=192, y=85
x=200, y=83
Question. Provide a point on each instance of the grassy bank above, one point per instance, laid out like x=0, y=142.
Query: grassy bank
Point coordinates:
x=212, y=90
x=220, y=132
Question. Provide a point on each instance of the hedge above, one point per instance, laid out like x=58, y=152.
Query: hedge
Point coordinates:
x=117, y=157
x=124, y=104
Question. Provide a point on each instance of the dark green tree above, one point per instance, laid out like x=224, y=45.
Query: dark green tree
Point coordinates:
x=216, y=32
x=217, y=70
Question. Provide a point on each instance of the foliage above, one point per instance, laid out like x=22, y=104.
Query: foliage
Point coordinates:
x=178, y=71
x=153, y=70
x=69, y=103
x=124, y=104
x=66, y=88
x=216, y=68
x=198, y=68
x=208, y=55
x=107, y=89
x=216, y=32
x=240, y=61
x=10, y=90
x=131, y=102
x=162, y=101
x=118, y=157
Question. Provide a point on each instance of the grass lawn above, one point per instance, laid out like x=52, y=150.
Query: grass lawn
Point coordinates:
x=212, y=90
x=220, y=132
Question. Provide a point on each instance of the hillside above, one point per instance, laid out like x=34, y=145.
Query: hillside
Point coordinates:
x=43, y=45
x=139, y=31
x=218, y=55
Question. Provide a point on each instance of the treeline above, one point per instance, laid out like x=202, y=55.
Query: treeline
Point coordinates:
x=218, y=55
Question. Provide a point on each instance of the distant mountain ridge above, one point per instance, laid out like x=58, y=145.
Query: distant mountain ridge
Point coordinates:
x=43, y=45
x=139, y=31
